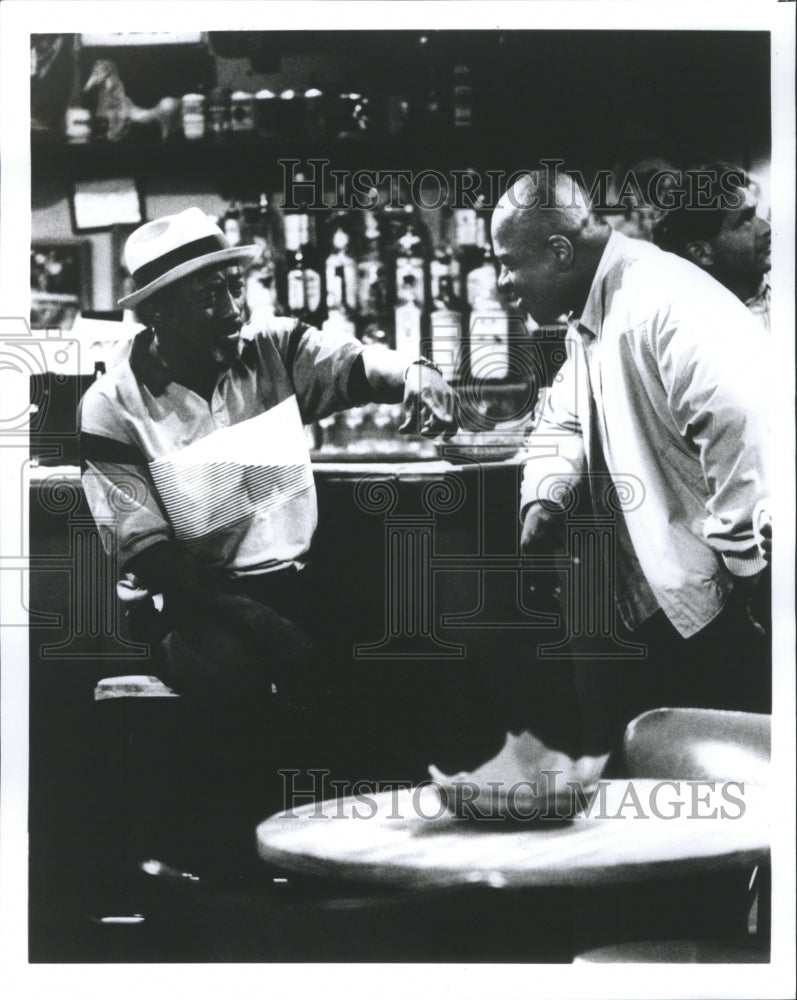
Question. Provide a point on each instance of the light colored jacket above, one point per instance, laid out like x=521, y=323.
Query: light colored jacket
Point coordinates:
x=674, y=364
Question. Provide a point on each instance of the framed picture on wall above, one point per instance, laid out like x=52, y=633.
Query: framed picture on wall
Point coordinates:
x=127, y=38
x=60, y=282
x=99, y=205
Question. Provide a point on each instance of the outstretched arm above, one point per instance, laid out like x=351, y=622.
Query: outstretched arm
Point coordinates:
x=332, y=372
x=430, y=404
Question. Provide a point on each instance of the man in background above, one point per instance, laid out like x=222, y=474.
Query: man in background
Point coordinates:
x=722, y=232
x=640, y=192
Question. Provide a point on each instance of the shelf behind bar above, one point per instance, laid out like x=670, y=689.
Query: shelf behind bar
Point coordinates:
x=235, y=160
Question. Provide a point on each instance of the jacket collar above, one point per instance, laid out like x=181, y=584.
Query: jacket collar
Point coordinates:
x=760, y=296
x=591, y=319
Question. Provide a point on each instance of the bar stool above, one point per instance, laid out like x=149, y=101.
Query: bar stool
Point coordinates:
x=700, y=745
x=134, y=707
x=161, y=798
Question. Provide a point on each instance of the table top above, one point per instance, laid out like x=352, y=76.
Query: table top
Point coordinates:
x=635, y=830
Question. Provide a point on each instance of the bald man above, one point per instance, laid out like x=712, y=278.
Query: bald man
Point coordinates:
x=657, y=423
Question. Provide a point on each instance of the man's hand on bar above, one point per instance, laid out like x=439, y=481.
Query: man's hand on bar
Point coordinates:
x=542, y=534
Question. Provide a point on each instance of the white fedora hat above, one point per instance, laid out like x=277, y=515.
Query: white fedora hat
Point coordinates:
x=161, y=252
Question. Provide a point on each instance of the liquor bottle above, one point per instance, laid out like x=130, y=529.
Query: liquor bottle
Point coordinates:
x=262, y=227
x=462, y=97
x=242, y=114
x=219, y=120
x=482, y=281
x=430, y=105
x=231, y=223
x=341, y=279
x=302, y=287
x=469, y=233
x=267, y=228
x=489, y=323
x=410, y=287
x=341, y=269
x=372, y=285
x=444, y=269
x=445, y=329
x=77, y=118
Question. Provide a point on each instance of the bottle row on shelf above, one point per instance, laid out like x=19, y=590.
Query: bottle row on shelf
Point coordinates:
x=315, y=114
x=434, y=96
x=380, y=275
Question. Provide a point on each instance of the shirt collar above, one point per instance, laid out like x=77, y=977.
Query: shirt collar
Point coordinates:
x=761, y=294
x=591, y=319
x=148, y=364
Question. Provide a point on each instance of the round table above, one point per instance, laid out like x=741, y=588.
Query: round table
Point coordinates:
x=633, y=830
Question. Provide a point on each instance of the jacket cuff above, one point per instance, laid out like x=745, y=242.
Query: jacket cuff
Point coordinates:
x=553, y=490
x=525, y=507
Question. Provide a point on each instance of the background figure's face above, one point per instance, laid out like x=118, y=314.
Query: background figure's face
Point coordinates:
x=741, y=249
x=202, y=315
x=530, y=271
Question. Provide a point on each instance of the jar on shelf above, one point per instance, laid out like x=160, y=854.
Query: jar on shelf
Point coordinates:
x=77, y=117
x=315, y=113
x=242, y=114
x=78, y=125
x=266, y=114
x=291, y=113
x=351, y=115
x=192, y=108
x=218, y=116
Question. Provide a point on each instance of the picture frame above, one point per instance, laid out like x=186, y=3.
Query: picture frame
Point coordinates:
x=98, y=205
x=60, y=282
x=128, y=38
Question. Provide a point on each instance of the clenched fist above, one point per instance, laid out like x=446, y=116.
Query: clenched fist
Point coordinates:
x=543, y=532
x=430, y=404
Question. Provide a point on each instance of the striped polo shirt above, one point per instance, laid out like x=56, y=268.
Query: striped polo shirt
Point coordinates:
x=230, y=480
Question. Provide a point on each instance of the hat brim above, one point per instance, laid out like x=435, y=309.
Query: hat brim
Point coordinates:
x=228, y=256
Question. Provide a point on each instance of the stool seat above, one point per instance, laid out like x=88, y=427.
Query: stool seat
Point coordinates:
x=699, y=743
x=675, y=952
x=132, y=686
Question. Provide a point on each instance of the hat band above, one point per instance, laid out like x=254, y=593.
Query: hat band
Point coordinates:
x=154, y=269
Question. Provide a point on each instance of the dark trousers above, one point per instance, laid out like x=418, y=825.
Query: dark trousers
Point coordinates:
x=256, y=701
x=245, y=637
x=727, y=665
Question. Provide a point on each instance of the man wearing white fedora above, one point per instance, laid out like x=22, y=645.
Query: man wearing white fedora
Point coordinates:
x=196, y=466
